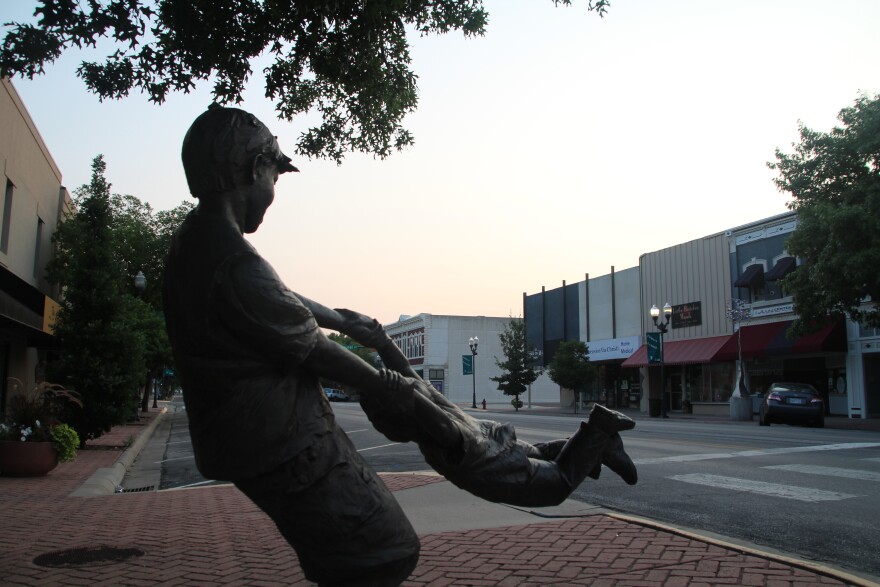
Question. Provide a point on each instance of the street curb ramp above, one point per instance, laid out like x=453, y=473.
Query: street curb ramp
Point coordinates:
x=104, y=481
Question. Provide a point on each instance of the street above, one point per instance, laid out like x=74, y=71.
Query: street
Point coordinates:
x=812, y=493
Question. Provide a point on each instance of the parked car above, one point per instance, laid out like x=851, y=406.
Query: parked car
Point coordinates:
x=797, y=403
x=336, y=395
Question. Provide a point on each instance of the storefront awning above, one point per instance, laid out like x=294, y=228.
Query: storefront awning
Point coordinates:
x=753, y=276
x=771, y=340
x=680, y=352
x=783, y=267
x=14, y=330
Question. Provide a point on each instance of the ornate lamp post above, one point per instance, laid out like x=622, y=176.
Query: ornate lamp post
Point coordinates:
x=140, y=284
x=740, y=400
x=473, y=342
x=662, y=327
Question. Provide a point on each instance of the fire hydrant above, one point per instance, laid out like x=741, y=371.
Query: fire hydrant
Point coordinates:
x=484, y=403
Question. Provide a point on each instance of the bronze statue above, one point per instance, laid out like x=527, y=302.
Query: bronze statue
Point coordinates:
x=250, y=352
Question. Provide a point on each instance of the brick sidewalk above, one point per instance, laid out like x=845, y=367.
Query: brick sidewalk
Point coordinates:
x=214, y=536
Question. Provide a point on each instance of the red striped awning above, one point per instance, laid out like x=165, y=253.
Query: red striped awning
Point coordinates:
x=681, y=352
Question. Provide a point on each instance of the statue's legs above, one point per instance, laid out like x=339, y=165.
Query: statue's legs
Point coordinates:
x=345, y=525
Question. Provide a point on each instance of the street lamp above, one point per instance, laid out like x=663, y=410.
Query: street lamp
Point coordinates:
x=662, y=327
x=140, y=284
x=473, y=342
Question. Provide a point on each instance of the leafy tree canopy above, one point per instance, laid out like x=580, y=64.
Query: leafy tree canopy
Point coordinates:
x=834, y=179
x=348, y=60
x=516, y=372
x=571, y=367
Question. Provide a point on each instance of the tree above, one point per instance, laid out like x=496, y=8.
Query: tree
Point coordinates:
x=108, y=240
x=516, y=373
x=834, y=179
x=571, y=367
x=347, y=60
x=102, y=355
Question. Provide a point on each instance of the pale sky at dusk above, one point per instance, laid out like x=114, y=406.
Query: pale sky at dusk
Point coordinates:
x=557, y=145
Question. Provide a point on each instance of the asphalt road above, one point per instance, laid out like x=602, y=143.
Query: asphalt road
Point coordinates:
x=813, y=493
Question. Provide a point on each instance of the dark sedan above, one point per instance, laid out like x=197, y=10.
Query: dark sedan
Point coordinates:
x=792, y=403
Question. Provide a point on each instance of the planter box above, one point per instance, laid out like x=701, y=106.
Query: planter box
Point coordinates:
x=26, y=459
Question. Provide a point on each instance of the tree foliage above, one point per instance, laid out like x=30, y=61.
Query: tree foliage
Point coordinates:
x=348, y=60
x=516, y=372
x=111, y=338
x=571, y=367
x=834, y=178
x=102, y=354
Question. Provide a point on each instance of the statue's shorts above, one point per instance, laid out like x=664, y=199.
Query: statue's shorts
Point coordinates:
x=344, y=524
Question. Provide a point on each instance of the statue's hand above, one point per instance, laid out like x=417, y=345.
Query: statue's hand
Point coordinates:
x=363, y=329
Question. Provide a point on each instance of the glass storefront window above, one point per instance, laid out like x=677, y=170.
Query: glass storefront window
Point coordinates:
x=711, y=383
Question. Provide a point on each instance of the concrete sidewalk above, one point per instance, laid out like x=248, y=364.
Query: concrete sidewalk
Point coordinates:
x=53, y=533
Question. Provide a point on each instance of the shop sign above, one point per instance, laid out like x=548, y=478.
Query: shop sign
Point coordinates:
x=612, y=348
x=685, y=315
x=772, y=310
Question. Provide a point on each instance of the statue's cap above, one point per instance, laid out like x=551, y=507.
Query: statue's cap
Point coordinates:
x=223, y=137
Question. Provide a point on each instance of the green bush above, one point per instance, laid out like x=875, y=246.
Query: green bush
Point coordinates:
x=65, y=440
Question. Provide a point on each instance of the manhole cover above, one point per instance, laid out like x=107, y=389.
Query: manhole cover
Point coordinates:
x=87, y=556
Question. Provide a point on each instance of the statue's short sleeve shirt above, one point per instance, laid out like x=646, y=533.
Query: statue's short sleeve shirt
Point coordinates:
x=240, y=338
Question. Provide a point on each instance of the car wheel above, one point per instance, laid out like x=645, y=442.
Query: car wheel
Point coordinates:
x=762, y=421
x=820, y=423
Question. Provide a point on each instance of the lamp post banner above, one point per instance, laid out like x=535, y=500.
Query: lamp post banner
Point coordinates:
x=655, y=349
x=467, y=364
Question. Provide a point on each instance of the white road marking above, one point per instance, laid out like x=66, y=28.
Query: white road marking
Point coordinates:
x=195, y=484
x=375, y=447
x=754, y=453
x=772, y=489
x=829, y=471
x=190, y=457
x=353, y=431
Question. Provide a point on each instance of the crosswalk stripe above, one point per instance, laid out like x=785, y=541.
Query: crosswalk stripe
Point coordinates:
x=772, y=489
x=829, y=471
x=754, y=453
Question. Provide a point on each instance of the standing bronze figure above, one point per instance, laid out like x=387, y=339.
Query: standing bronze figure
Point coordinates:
x=250, y=352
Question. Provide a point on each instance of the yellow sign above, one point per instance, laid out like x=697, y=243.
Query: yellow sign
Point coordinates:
x=50, y=312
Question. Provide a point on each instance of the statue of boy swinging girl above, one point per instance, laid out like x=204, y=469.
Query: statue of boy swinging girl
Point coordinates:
x=250, y=352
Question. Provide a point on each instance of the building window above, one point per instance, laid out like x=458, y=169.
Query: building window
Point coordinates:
x=752, y=279
x=38, y=247
x=7, y=217
x=411, y=343
x=435, y=374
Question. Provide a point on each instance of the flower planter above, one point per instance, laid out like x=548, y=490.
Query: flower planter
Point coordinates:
x=26, y=459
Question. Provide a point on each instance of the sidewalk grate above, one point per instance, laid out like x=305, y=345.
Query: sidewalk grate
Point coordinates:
x=87, y=556
x=138, y=489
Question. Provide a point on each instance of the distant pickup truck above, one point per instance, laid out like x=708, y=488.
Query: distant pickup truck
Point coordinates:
x=336, y=395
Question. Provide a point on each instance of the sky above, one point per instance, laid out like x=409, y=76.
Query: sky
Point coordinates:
x=557, y=145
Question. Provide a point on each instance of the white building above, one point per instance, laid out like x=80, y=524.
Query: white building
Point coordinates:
x=437, y=348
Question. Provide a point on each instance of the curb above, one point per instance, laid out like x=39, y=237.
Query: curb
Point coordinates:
x=105, y=480
x=819, y=569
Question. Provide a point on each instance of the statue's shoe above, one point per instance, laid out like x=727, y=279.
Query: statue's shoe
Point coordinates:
x=609, y=420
